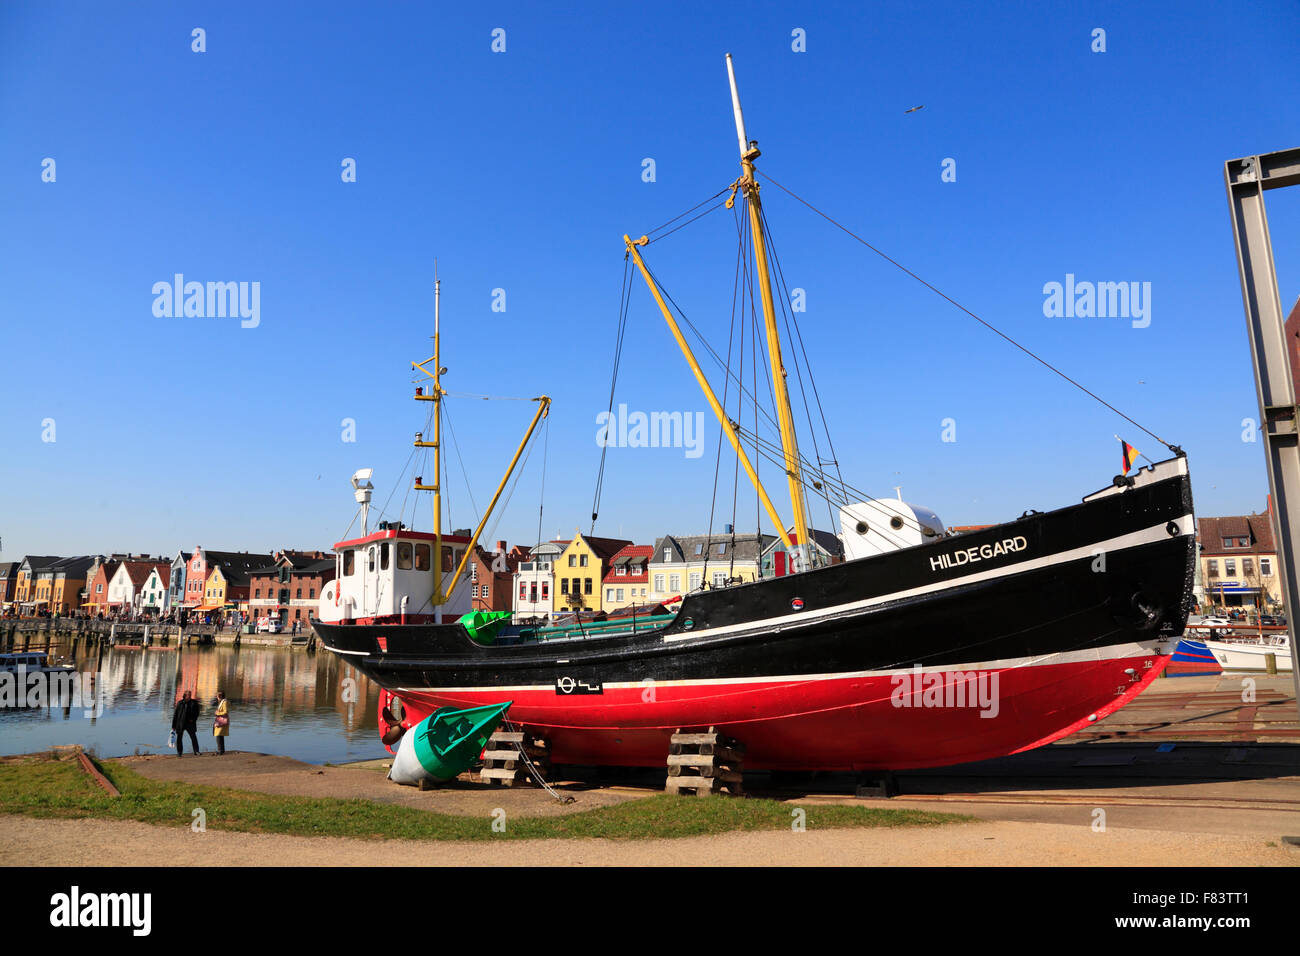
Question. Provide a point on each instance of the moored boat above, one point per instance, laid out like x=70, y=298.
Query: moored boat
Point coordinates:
x=1252, y=653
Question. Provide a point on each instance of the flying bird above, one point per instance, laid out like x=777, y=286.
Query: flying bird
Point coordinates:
x=914, y=109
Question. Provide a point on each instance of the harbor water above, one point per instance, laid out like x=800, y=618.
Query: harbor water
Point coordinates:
x=284, y=701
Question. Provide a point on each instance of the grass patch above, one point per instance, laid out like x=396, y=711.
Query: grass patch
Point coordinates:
x=44, y=788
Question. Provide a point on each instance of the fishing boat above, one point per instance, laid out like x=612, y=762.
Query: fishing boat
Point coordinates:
x=445, y=744
x=920, y=648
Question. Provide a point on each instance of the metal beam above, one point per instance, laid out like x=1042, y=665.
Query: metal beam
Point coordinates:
x=1247, y=180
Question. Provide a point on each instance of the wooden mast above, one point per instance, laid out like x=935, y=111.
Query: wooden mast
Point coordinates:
x=789, y=441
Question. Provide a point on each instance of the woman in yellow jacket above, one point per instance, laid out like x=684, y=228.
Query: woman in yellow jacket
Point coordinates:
x=221, y=723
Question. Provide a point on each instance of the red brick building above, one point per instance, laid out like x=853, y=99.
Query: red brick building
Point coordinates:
x=492, y=577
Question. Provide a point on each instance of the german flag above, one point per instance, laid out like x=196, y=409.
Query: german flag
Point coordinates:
x=1130, y=455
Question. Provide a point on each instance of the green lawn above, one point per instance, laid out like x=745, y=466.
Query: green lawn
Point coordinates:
x=46, y=788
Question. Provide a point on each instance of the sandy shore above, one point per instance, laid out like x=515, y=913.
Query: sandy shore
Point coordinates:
x=30, y=842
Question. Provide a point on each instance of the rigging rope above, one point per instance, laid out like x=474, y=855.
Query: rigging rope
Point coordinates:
x=1042, y=361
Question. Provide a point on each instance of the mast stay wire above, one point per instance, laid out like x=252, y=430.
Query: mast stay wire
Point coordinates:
x=806, y=466
x=625, y=297
x=1042, y=361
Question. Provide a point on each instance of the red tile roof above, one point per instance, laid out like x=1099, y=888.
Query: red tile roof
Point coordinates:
x=1257, y=529
x=643, y=551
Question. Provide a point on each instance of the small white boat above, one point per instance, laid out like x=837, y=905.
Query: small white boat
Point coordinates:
x=32, y=662
x=1249, y=654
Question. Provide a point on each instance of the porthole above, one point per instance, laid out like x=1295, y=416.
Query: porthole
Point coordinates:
x=896, y=523
x=861, y=527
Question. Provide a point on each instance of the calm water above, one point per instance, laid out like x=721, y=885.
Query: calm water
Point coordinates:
x=282, y=701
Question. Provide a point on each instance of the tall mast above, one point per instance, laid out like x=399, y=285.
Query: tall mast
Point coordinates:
x=789, y=441
x=435, y=396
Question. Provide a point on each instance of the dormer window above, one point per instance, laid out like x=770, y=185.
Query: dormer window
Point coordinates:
x=668, y=554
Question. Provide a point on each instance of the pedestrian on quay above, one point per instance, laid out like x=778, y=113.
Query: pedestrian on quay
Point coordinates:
x=185, y=720
x=221, y=723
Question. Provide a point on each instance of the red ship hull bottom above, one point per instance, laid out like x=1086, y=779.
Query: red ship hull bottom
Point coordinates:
x=895, y=720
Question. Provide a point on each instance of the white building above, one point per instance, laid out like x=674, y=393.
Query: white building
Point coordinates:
x=534, y=582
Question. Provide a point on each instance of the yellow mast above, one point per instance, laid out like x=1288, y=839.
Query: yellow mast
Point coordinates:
x=789, y=441
x=435, y=396
x=727, y=424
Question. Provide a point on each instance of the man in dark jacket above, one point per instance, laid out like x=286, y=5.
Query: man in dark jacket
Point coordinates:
x=185, y=719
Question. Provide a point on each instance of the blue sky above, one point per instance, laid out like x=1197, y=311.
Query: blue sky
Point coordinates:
x=522, y=170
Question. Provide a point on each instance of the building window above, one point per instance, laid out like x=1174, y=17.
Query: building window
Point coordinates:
x=674, y=582
x=99, y=589
x=1247, y=566
x=546, y=590
x=699, y=548
x=1227, y=542
x=693, y=581
x=1230, y=566
x=609, y=594
x=720, y=579
x=1212, y=568
x=573, y=560
x=722, y=548
x=311, y=593
x=1243, y=542
x=619, y=593
x=668, y=554
x=586, y=585
x=621, y=571
x=523, y=590
x=532, y=592
x=257, y=593
x=582, y=560
x=1266, y=567
x=659, y=583
x=564, y=585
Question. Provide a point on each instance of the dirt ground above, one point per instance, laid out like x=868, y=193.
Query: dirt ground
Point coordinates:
x=34, y=842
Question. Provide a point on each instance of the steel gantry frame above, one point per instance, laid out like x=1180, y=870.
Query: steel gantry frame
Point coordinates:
x=1248, y=178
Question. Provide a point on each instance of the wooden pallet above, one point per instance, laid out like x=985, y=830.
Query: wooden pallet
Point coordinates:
x=503, y=766
x=705, y=764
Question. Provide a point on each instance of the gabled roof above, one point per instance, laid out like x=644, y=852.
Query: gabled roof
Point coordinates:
x=74, y=567
x=696, y=547
x=634, y=556
x=828, y=542
x=138, y=571
x=1257, y=529
x=38, y=562
x=8, y=569
x=605, y=548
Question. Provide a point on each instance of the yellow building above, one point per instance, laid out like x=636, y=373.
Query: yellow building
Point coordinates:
x=579, y=570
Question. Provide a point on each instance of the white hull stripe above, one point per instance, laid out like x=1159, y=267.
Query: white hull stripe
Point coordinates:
x=1154, y=647
x=1132, y=540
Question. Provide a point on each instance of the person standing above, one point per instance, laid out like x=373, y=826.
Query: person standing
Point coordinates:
x=221, y=723
x=185, y=719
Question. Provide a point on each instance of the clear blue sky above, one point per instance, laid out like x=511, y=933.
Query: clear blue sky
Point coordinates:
x=521, y=171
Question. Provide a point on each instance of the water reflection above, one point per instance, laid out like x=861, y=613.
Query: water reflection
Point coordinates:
x=311, y=707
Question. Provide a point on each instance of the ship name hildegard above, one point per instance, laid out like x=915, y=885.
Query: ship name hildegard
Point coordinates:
x=982, y=553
